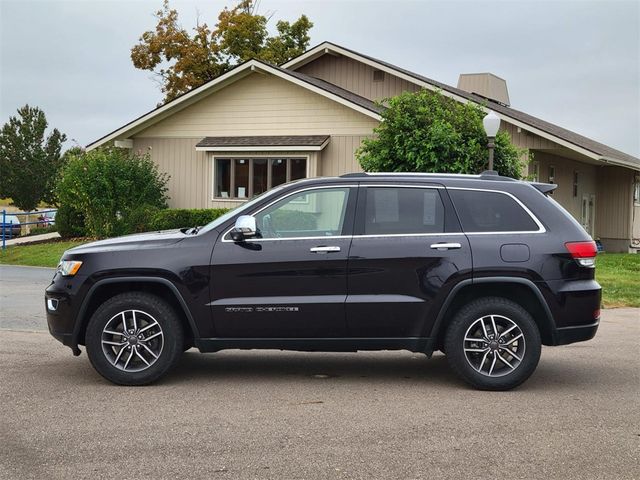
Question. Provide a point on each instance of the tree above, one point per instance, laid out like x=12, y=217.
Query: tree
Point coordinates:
x=111, y=188
x=426, y=131
x=29, y=162
x=183, y=61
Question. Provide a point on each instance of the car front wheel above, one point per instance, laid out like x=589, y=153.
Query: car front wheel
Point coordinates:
x=134, y=338
x=493, y=344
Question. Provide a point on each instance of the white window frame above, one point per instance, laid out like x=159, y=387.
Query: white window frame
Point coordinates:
x=235, y=156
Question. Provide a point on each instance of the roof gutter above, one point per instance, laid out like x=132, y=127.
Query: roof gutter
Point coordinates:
x=620, y=163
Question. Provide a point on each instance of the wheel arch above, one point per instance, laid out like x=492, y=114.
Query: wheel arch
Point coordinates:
x=519, y=290
x=108, y=287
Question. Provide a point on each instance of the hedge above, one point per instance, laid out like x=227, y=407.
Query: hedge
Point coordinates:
x=180, y=218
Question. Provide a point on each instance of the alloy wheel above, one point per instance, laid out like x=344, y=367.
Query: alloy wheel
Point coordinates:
x=494, y=345
x=132, y=340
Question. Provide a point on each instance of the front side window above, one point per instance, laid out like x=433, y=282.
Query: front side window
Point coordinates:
x=481, y=211
x=391, y=210
x=312, y=213
x=243, y=178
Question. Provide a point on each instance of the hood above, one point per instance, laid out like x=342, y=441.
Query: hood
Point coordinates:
x=132, y=242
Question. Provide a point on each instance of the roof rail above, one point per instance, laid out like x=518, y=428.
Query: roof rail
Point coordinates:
x=493, y=175
x=354, y=175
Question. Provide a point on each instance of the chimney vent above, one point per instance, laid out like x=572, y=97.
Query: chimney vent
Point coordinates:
x=486, y=85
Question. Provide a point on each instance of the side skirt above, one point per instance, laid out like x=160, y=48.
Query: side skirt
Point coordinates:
x=413, y=344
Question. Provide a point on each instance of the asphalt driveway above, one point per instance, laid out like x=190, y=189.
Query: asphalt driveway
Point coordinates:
x=267, y=414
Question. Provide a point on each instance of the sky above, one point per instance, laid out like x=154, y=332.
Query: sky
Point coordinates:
x=574, y=63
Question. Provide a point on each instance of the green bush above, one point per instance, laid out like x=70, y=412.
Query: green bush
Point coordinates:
x=425, y=131
x=181, y=218
x=113, y=189
x=70, y=222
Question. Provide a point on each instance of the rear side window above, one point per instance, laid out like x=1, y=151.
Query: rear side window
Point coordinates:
x=391, y=210
x=491, y=212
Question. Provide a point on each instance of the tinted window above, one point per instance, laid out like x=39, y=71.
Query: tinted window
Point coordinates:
x=490, y=212
x=403, y=210
x=314, y=213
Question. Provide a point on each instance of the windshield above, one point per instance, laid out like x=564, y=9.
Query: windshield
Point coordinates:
x=247, y=206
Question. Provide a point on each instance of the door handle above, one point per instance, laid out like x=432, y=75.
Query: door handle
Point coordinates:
x=445, y=246
x=324, y=249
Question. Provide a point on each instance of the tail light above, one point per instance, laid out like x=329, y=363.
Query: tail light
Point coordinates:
x=583, y=252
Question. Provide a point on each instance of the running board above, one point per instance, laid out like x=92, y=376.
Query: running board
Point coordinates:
x=413, y=344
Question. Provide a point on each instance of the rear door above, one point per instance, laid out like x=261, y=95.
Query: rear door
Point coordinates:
x=407, y=252
x=292, y=281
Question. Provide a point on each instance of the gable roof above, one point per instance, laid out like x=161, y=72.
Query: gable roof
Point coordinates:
x=562, y=136
x=328, y=90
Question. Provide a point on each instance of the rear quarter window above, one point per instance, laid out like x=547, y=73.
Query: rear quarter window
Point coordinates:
x=482, y=211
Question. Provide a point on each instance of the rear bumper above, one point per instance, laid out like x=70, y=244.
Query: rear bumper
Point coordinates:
x=579, y=333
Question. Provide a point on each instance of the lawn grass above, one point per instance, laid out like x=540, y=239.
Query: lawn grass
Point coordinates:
x=619, y=275
x=45, y=254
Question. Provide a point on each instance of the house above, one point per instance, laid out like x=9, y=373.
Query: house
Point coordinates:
x=260, y=125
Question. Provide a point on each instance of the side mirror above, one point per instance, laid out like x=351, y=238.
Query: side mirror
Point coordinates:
x=244, y=228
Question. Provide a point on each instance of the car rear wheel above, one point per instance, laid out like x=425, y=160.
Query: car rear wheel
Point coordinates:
x=134, y=338
x=493, y=344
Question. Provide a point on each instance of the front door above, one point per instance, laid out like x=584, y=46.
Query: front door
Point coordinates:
x=588, y=213
x=290, y=281
x=407, y=253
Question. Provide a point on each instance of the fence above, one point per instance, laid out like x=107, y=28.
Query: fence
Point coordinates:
x=8, y=228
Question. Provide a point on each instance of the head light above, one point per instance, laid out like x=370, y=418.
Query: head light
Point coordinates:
x=68, y=268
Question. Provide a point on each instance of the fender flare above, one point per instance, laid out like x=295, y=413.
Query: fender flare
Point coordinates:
x=80, y=320
x=437, y=325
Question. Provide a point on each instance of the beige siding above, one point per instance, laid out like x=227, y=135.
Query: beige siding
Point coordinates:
x=262, y=105
x=564, y=169
x=339, y=156
x=615, y=205
x=356, y=77
x=189, y=170
x=524, y=139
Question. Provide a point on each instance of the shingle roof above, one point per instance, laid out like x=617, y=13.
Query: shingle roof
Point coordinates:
x=265, y=141
x=336, y=90
x=555, y=130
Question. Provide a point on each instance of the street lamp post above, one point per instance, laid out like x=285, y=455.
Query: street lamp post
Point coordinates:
x=491, y=123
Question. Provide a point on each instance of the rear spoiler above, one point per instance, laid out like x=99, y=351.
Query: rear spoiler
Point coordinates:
x=544, y=187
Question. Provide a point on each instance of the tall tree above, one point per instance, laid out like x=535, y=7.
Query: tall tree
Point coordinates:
x=29, y=162
x=426, y=131
x=182, y=60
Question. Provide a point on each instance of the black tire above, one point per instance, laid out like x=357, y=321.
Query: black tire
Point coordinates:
x=475, y=367
x=168, y=346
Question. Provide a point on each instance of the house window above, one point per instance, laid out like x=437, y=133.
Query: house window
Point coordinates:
x=244, y=178
x=552, y=176
x=378, y=76
x=636, y=192
x=534, y=171
x=575, y=184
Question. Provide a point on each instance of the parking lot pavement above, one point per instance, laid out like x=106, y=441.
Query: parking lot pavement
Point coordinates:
x=22, y=296
x=284, y=415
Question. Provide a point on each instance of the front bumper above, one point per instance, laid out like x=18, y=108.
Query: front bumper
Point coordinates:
x=61, y=311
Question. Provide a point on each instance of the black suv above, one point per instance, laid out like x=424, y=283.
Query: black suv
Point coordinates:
x=483, y=268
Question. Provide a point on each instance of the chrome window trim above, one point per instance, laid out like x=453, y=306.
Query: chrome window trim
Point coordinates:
x=541, y=228
x=319, y=187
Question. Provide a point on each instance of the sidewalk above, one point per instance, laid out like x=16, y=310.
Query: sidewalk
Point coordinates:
x=32, y=238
